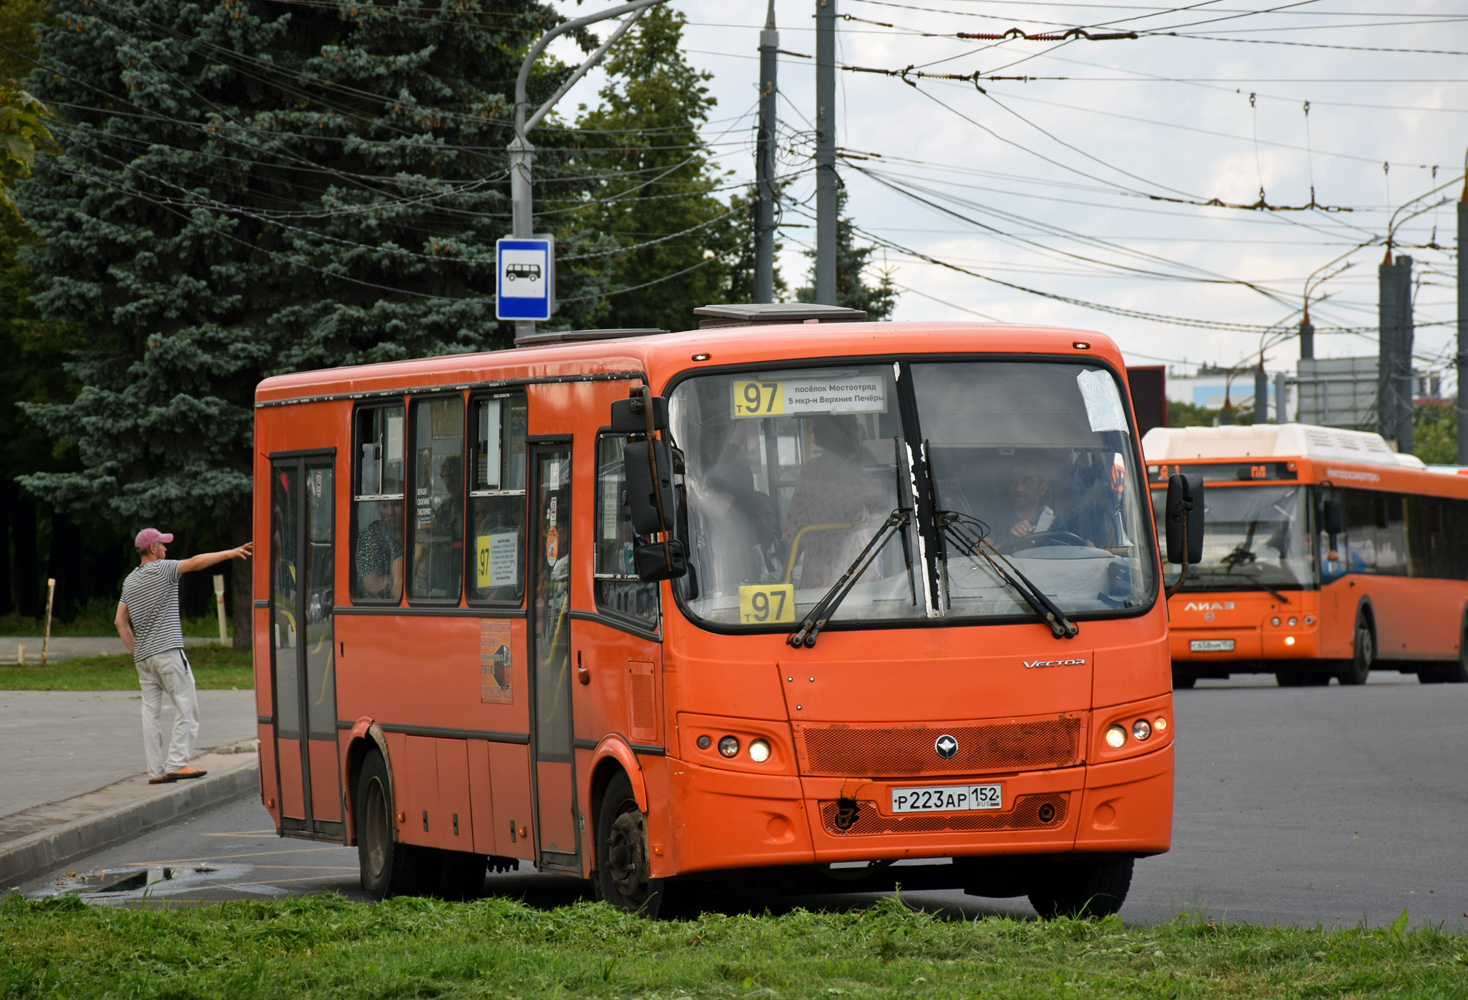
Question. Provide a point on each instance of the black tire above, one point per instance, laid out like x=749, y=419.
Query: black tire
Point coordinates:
x=461, y=875
x=1087, y=888
x=1363, y=658
x=1289, y=679
x=1448, y=673
x=622, y=870
x=389, y=868
x=1183, y=681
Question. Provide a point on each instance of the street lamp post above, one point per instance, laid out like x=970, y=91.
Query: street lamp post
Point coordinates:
x=522, y=154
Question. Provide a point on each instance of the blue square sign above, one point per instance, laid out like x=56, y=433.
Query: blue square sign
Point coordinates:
x=525, y=285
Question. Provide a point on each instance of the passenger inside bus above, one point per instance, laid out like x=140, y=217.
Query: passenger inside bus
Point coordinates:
x=833, y=498
x=380, y=550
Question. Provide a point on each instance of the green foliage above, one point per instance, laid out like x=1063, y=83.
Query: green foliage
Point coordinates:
x=325, y=947
x=1180, y=414
x=1435, y=433
x=852, y=290
x=255, y=188
x=215, y=668
x=680, y=244
x=23, y=134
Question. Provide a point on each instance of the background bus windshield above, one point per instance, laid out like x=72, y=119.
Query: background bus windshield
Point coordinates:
x=792, y=472
x=1257, y=535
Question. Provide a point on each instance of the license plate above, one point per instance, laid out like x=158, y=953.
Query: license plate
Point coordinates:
x=1212, y=645
x=947, y=798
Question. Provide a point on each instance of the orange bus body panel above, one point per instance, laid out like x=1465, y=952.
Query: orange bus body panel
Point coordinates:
x=640, y=702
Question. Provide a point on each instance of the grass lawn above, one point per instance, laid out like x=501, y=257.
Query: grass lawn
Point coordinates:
x=215, y=668
x=324, y=947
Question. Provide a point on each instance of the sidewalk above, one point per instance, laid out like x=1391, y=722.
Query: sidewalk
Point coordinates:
x=62, y=647
x=73, y=780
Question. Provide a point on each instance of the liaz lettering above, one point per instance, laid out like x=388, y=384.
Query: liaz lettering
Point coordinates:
x=1209, y=606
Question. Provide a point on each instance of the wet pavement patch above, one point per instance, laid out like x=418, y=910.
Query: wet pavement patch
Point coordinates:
x=152, y=882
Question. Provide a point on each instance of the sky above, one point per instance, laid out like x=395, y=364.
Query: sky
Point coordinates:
x=1119, y=173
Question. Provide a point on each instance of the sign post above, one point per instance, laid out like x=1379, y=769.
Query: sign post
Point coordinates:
x=525, y=279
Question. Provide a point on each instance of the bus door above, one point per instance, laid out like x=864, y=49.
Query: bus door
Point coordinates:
x=549, y=642
x=302, y=660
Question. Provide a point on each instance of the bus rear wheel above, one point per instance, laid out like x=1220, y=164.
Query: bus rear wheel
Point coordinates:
x=1358, y=667
x=623, y=875
x=389, y=868
x=1088, y=887
x=1448, y=673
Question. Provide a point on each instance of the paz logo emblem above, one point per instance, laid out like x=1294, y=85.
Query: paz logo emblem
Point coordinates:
x=946, y=746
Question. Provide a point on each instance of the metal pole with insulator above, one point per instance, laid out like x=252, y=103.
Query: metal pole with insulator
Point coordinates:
x=826, y=152
x=764, y=163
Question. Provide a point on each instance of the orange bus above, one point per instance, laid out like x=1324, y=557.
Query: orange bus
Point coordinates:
x=780, y=605
x=1328, y=555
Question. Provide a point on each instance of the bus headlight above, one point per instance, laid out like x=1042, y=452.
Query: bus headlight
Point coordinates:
x=759, y=751
x=729, y=746
x=1161, y=724
x=1115, y=736
x=1141, y=729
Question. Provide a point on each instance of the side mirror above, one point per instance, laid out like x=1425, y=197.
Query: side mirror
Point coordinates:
x=1333, y=517
x=660, y=560
x=644, y=496
x=1184, y=516
x=629, y=416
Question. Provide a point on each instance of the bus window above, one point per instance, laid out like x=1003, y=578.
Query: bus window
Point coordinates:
x=377, y=505
x=438, y=499
x=497, y=500
x=1258, y=536
x=618, y=588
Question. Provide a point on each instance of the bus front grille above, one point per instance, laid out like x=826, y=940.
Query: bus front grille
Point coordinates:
x=888, y=751
x=1029, y=812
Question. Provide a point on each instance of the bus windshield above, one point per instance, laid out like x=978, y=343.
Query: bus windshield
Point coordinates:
x=995, y=468
x=1257, y=538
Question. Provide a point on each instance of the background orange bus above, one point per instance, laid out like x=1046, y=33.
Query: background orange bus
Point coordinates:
x=1328, y=555
x=898, y=602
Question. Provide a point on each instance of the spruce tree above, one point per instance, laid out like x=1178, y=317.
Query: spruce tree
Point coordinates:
x=252, y=187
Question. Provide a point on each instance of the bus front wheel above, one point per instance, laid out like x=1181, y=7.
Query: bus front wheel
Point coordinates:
x=389, y=868
x=1087, y=887
x=623, y=876
x=1363, y=658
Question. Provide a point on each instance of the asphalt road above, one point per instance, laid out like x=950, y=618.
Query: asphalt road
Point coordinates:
x=1333, y=806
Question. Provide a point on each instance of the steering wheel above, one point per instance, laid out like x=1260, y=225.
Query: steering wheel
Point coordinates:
x=1035, y=539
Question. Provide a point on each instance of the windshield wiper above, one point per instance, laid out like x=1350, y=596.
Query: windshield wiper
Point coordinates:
x=819, y=615
x=1228, y=575
x=957, y=529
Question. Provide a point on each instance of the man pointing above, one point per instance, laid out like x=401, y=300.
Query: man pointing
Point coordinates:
x=148, y=621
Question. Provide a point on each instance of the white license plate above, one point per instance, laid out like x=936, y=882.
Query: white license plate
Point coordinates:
x=947, y=798
x=1212, y=645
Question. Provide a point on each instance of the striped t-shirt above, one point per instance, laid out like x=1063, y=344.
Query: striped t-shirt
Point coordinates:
x=151, y=595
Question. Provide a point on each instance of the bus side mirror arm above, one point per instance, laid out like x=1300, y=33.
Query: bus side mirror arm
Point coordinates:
x=1184, y=524
x=1333, y=520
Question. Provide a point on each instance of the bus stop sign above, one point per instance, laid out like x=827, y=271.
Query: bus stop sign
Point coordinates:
x=525, y=287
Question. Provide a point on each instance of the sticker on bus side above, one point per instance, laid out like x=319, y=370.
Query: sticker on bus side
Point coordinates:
x=798, y=396
x=760, y=603
x=495, y=663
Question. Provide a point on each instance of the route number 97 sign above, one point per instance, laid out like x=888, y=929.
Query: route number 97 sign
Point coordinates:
x=764, y=603
x=799, y=396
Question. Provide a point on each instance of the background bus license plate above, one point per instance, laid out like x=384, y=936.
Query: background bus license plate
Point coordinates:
x=947, y=798
x=1211, y=646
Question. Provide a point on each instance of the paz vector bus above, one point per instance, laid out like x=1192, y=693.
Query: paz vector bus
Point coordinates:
x=1328, y=555
x=790, y=602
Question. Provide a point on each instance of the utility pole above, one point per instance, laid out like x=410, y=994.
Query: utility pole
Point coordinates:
x=1261, y=393
x=764, y=163
x=1307, y=337
x=1394, y=365
x=522, y=154
x=1462, y=326
x=826, y=152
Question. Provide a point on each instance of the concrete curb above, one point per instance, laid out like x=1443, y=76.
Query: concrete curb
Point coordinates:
x=30, y=856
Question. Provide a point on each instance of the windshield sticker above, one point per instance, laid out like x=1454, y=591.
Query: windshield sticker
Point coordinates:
x=1103, y=405
x=766, y=602
x=799, y=396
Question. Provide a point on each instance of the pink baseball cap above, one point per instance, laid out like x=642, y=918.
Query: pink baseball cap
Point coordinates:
x=149, y=537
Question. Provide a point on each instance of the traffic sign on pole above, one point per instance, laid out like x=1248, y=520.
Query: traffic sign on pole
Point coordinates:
x=525, y=286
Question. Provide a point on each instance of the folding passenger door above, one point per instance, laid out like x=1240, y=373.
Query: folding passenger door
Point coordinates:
x=549, y=642
x=302, y=649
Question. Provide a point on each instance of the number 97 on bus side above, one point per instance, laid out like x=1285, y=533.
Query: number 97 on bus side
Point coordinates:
x=766, y=602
